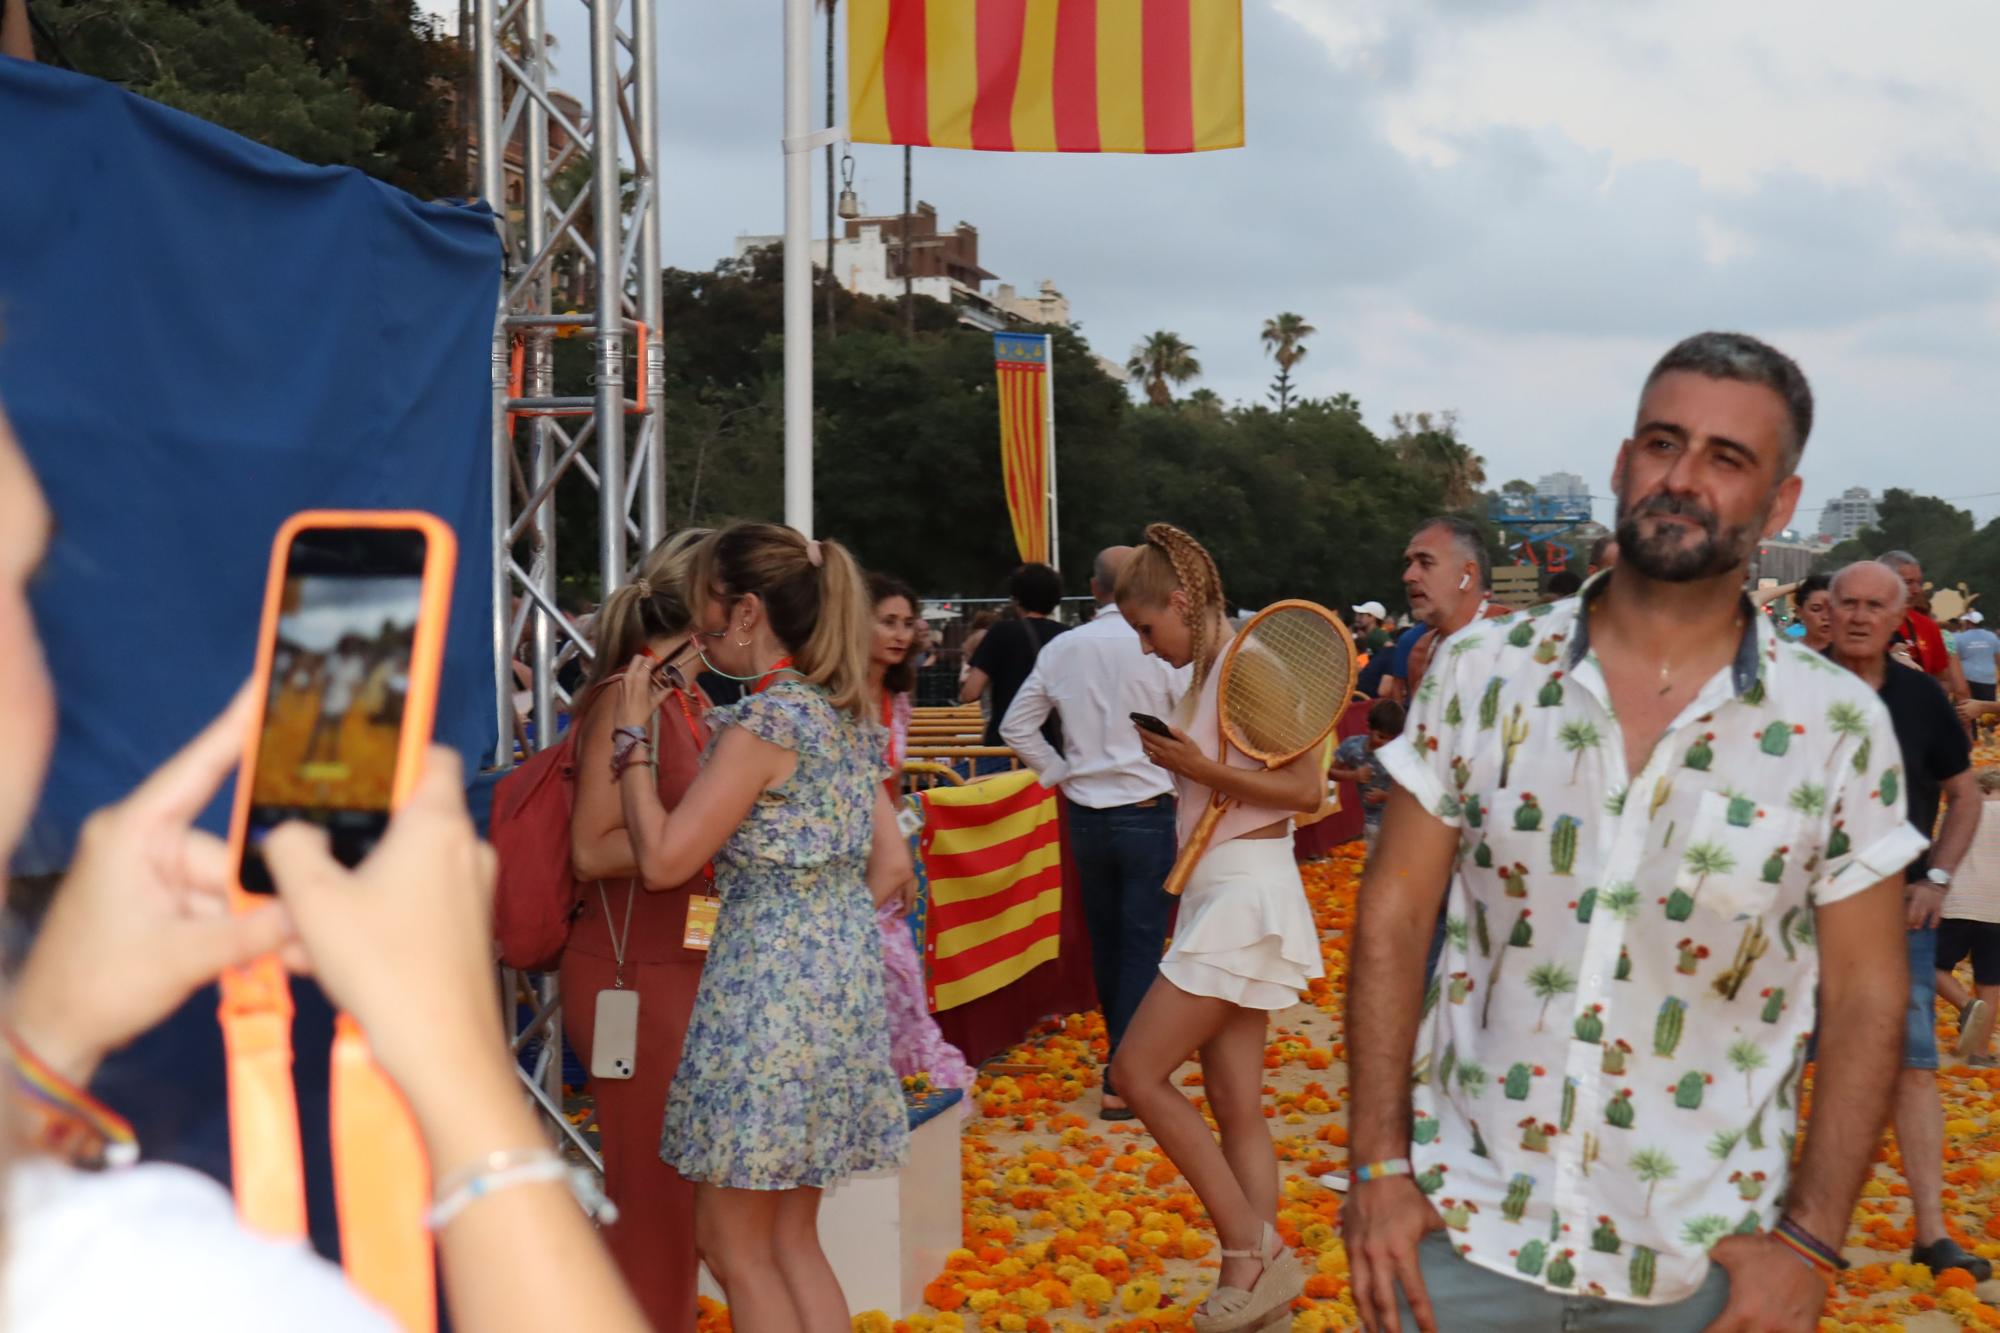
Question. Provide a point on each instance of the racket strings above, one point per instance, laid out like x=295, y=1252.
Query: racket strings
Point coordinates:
x=1288, y=681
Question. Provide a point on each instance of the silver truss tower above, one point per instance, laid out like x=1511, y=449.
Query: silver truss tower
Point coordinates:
x=601, y=244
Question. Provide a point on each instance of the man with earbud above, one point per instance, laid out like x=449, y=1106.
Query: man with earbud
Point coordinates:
x=1448, y=577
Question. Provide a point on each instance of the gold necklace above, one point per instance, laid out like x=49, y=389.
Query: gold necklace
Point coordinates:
x=1666, y=671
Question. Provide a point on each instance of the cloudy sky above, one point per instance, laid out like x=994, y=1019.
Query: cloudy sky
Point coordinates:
x=1505, y=207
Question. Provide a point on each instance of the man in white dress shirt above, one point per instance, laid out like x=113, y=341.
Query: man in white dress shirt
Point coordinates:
x=1121, y=806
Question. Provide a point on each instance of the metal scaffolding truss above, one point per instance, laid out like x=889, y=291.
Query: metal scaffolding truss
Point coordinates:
x=577, y=199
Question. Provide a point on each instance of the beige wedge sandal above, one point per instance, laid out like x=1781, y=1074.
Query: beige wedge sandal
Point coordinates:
x=1232, y=1309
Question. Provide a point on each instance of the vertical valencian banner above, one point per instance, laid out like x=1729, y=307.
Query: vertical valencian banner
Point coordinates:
x=992, y=853
x=1021, y=367
x=1047, y=76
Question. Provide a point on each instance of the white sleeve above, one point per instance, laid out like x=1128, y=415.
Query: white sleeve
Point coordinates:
x=159, y=1248
x=1022, y=729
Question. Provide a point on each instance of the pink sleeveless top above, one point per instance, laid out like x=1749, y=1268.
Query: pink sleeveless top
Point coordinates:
x=1205, y=730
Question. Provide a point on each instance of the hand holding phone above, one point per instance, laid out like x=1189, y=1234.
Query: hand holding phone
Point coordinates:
x=1147, y=722
x=347, y=672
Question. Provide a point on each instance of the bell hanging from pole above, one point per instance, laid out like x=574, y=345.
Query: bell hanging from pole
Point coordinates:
x=849, y=204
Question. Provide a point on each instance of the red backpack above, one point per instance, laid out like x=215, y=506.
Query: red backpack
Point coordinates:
x=535, y=900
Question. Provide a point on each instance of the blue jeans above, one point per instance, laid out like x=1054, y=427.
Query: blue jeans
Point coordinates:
x=1122, y=857
x=1467, y=1298
x=1920, y=1024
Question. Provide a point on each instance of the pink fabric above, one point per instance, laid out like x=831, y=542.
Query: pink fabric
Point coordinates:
x=915, y=1044
x=1205, y=730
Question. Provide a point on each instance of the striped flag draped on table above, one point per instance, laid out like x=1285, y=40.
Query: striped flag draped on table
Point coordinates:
x=1041, y=76
x=993, y=854
x=1021, y=366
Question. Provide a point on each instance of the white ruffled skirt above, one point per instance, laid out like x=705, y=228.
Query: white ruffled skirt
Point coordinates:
x=1245, y=932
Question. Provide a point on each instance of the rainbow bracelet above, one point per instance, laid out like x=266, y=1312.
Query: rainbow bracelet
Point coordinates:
x=1808, y=1246
x=62, y=1119
x=1394, y=1166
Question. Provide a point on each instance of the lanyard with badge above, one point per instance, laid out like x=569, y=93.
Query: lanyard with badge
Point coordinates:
x=614, y=1045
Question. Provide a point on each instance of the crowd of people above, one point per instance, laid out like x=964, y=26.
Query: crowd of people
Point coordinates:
x=1550, y=796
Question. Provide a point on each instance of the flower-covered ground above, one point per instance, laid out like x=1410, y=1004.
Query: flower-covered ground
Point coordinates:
x=1073, y=1224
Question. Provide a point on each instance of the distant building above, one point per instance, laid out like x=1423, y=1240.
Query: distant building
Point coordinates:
x=1786, y=558
x=1563, y=486
x=1047, y=306
x=868, y=260
x=1844, y=518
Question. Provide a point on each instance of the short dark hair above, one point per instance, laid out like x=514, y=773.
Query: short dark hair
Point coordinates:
x=1809, y=585
x=1470, y=537
x=1036, y=587
x=1564, y=583
x=1386, y=716
x=1747, y=360
x=1598, y=548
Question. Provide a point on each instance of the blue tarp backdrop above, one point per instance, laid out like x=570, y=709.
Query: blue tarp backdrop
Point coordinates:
x=198, y=337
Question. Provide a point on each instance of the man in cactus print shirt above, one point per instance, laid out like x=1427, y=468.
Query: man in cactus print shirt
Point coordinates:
x=1656, y=829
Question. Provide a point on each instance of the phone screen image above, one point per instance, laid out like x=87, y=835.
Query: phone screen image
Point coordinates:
x=340, y=674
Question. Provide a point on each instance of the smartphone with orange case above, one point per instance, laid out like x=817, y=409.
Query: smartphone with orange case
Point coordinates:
x=348, y=657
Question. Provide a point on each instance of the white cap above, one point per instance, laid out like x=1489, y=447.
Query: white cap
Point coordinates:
x=1375, y=609
x=1975, y=617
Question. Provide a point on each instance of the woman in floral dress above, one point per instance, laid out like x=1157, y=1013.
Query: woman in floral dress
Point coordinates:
x=785, y=1085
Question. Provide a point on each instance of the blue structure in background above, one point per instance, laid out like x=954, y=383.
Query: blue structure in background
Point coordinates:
x=198, y=337
x=1540, y=518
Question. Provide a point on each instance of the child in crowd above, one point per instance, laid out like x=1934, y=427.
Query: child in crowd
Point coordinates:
x=1971, y=926
x=1355, y=762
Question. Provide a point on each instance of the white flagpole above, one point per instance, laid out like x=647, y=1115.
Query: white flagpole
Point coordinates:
x=798, y=269
x=1049, y=438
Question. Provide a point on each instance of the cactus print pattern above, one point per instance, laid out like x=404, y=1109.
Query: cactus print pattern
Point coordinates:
x=1627, y=978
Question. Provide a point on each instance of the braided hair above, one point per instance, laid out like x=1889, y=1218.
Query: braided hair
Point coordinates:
x=1170, y=559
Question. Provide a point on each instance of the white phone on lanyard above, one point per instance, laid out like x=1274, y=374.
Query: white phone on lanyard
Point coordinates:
x=614, y=1038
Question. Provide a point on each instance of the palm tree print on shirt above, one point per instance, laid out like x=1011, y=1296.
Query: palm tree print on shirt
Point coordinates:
x=1746, y=1057
x=1547, y=981
x=1652, y=1165
x=1580, y=737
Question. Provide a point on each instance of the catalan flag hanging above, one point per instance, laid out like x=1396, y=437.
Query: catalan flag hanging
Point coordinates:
x=1021, y=367
x=992, y=852
x=1047, y=76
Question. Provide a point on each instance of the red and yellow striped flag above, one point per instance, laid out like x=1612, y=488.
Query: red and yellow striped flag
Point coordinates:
x=993, y=855
x=1021, y=365
x=1047, y=76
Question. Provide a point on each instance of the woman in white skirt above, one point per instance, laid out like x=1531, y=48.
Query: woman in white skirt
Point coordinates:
x=1244, y=946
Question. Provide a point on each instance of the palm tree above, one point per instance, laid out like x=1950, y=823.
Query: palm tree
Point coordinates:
x=1747, y=1057
x=1578, y=737
x=1163, y=359
x=1547, y=981
x=1285, y=338
x=1205, y=402
x=1430, y=442
x=1809, y=799
x=1652, y=1165
x=1345, y=402
x=1705, y=859
x=1724, y=1143
x=1621, y=901
x=1471, y=1078
x=1846, y=719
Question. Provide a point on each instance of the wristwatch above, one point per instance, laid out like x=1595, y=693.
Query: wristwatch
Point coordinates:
x=1940, y=878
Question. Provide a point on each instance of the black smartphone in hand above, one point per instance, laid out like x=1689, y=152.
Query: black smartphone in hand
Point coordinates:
x=1147, y=722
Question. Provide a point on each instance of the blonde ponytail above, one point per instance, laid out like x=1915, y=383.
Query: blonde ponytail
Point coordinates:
x=654, y=604
x=1170, y=559
x=814, y=596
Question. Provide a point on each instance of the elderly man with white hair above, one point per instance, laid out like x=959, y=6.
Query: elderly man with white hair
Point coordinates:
x=1869, y=602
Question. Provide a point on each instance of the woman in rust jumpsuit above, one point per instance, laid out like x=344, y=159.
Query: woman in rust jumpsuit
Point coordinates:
x=627, y=935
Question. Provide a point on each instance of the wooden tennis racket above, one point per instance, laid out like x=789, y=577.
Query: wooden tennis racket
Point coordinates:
x=1286, y=678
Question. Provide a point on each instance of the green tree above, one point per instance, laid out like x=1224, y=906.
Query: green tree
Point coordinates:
x=1746, y=1057
x=1705, y=859
x=1546, y=981
x=1430, y=441
x=1284, y=338
x=1579, y=737
x=1160, y=360
x=1653, y=1165
x=333, y=82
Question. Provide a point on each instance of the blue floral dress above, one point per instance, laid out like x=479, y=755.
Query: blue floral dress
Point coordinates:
x=785, y=1080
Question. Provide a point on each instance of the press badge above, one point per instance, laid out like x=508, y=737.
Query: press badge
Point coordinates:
x=702, y=911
